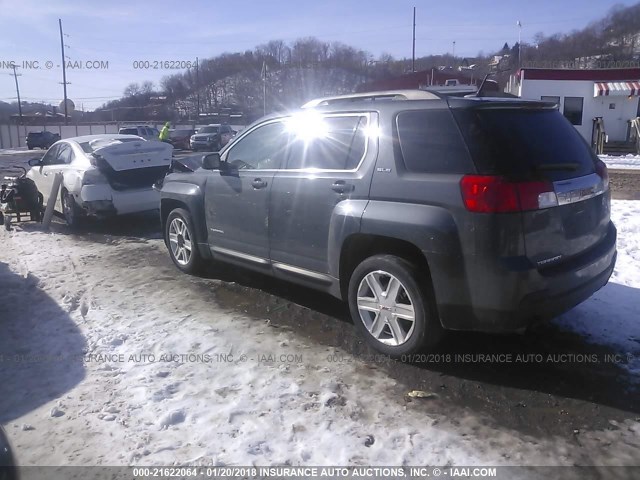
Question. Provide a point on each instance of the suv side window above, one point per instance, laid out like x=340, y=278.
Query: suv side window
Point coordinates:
x=340, y=146
x=263, y=149
x=430, y=142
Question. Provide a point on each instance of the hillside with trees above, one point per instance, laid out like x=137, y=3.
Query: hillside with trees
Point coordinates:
x=234, y=84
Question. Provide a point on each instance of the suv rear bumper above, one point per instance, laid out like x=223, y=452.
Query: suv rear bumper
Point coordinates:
x=534, y=295
x=202, y=145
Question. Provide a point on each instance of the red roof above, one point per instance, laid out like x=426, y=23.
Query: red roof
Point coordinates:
x=613, y=74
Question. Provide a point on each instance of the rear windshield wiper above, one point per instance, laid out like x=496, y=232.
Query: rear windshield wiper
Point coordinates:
x=556, y=166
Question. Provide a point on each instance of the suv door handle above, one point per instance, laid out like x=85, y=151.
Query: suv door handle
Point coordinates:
x=258, y=183
x=341, y=186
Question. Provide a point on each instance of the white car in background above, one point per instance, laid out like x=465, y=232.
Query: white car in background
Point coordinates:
x=103, y=175
x=144, y=131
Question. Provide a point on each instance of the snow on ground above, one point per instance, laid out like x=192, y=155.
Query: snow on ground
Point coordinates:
x=610, y=317
x=13, y=151
x=628, y=162
x=80, y=387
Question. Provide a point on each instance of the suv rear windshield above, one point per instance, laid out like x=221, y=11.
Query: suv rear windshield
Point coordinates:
x=525, y=143
x=208, y=130
x=128, y=131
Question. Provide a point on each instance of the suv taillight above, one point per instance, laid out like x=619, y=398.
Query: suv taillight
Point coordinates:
x=603, y=173
x=493, y=194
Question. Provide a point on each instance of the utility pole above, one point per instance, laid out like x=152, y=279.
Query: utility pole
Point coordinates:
x=197, y=90
x=519, y=24
x=15, y=76
x=64, y=75
x=413, y=50
x=264, y=87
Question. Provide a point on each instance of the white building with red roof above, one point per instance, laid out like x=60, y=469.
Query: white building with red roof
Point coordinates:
x=584, y=95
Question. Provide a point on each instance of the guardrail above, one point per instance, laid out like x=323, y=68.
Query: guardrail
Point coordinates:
x=13, y=136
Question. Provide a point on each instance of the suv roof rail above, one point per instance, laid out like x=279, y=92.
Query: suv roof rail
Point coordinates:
x=383, y=95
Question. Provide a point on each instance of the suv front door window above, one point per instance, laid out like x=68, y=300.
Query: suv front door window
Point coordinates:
x=262, y=149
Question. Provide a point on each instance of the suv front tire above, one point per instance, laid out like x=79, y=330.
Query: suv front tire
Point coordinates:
x=391, y=304
x=180, y=238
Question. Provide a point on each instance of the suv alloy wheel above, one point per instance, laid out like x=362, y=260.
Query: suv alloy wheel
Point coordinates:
x=180, y=238
x=391, y=304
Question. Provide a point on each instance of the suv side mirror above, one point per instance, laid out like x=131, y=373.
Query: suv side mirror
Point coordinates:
x=35, y=162
x=211, y=161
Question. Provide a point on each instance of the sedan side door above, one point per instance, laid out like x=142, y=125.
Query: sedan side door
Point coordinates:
x=57, y=164
x=237, y=195
x=42, y=175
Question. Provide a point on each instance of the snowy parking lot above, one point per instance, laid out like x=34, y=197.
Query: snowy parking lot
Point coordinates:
x=110, y=356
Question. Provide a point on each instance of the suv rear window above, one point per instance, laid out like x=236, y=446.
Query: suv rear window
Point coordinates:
x=208, y=130
x=525, y=143
x=430, y=142
x=128, y=131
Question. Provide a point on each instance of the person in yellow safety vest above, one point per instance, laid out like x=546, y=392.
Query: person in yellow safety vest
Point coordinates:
x=164, y=133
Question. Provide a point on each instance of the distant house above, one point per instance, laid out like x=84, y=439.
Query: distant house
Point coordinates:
x=584, y=95
x=423, y=79
x=38, y=118
x=499, y=62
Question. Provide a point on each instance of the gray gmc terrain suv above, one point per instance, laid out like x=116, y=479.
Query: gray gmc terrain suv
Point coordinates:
x=423, y=212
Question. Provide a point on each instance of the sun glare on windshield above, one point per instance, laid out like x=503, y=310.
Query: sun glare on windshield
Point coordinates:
x=307, y=126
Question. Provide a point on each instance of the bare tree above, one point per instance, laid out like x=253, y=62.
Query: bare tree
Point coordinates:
x=132, y=90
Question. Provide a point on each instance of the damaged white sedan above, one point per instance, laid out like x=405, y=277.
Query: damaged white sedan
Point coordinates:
x=103, y=175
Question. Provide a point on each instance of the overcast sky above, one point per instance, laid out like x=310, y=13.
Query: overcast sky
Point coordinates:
x=120, y=33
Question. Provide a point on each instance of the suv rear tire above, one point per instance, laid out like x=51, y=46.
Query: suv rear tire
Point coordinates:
x=180, y=238
x=402, y=323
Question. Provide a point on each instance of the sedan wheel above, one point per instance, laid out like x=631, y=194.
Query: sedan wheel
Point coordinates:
x=70, y=210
